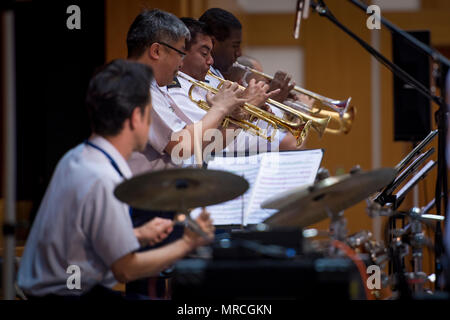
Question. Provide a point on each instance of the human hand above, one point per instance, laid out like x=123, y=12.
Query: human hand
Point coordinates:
x=227, y=99
x=257, y=93
x=154, y=231
x=304, y=99
x=281, y=81
x=193, y=239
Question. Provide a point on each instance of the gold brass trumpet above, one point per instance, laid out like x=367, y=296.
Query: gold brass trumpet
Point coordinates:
x=317, y=123
x=343, y=120
x=298, y=129
x=340, y=106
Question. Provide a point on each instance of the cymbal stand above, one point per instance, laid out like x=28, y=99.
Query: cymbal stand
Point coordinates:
x=415, y=238
x=338, y=228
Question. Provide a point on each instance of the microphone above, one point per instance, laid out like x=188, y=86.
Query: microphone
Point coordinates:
x=302, y=11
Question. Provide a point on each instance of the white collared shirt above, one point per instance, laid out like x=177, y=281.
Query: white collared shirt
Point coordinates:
x=164, y=122
x=179, y=94
x=213, y=81
x=79, y=223
x=164, y=119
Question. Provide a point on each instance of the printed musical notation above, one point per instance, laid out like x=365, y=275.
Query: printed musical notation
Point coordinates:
x=268, y=174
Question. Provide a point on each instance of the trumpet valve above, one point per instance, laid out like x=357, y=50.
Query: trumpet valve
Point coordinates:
x=302, y=133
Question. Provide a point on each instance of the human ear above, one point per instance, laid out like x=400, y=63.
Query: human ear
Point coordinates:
x=135, y=118
x=153, y=51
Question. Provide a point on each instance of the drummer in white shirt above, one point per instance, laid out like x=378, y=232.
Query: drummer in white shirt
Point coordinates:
x=81, y=227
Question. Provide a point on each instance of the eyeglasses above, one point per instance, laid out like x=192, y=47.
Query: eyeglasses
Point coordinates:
x=181, y=53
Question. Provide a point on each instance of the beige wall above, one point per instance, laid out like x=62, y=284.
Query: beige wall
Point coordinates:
x=120, y=14
x=335, y=66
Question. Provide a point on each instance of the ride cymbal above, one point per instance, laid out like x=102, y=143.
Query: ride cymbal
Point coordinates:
x=180, y=189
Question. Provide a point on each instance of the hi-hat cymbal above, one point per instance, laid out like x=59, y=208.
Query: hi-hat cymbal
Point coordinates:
x=310, y=204
x=180, y=189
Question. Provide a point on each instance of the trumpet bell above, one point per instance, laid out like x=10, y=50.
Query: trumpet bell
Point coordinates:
x=341, y=123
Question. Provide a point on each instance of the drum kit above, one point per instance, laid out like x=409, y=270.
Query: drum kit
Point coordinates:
x=183, y=189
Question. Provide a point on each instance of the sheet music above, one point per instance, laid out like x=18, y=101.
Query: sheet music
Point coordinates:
x=232, y=212
x=268, y=174
x=278, y=174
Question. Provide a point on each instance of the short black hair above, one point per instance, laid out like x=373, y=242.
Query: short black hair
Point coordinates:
x=221, y=22
x=195, y=27
x=151, y=26
x=114, y=92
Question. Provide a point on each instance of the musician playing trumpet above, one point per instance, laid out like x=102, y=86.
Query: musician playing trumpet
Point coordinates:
x=227, y=38
x=196, y=65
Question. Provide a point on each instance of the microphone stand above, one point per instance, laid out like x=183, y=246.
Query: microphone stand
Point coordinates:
x=441, y=192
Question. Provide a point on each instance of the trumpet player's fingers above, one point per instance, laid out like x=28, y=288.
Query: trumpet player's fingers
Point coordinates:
x=286, y=83
x=264, y=86
x=235, y=87
x=267, y=108
x=256, y=93
x=305, y=100
x=291, y=86
x=240, y=114
x=209, y=97
x=281, y=81
x=226, y=84
x=273, y=93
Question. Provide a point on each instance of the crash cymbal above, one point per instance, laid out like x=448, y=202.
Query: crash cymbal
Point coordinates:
x=310, y=204
x=180, y=189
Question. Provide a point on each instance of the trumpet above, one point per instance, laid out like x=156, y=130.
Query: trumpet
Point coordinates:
x=318, y=124
x=343, y=119
x=298, y=129
x=340, y=106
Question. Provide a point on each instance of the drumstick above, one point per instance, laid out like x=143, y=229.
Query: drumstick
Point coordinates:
x=186, y=221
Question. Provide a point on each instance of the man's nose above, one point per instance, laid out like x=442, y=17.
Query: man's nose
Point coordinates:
x=210, y=60
x=238, y=52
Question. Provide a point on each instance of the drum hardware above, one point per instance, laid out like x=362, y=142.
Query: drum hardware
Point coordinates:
x=260, y=241
x=404, y=162
x=385, y=196
x=322, y=174
x=374, y=209
x=411, y=238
